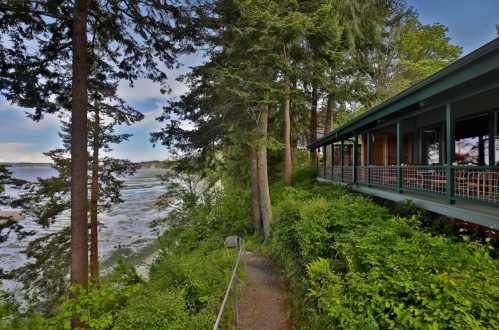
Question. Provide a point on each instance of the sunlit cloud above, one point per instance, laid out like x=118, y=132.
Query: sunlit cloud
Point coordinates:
x=21, y=152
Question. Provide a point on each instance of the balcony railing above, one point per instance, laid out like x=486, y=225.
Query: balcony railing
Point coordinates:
x=427, y=179
x=473, y=183
x=477, y=183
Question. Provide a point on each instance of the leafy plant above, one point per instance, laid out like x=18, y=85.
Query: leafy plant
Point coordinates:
x=356, y=265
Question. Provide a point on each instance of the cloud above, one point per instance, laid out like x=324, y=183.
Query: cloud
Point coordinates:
x=145, y=89
x=14, y=117
x=21, y=152
x=22, y=140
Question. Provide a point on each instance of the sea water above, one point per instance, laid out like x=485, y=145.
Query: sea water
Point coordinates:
x=125, y=227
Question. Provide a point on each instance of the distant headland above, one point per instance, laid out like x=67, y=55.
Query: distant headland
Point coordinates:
x=144, y=164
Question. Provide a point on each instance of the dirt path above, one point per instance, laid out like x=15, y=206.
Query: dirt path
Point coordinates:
x=262, y=303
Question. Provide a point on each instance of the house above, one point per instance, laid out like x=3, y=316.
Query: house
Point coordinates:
x=435, y=144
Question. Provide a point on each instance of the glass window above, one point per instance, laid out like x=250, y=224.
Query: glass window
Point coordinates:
x=408, y=149
x=347, y=154
x=472, y=141
x=431, y=146
x=337, y=154
x=497, y=138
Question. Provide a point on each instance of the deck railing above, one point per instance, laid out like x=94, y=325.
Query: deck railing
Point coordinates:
x=425, y=179
x=475, y=183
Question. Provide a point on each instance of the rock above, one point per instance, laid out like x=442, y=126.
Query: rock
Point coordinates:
x=232, y=241
x=12, y=215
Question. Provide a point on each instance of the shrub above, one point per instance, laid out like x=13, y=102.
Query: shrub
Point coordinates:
x=357, y=266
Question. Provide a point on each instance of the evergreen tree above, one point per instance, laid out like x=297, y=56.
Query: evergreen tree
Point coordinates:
x=49, y=198
x=9, y=225
x=40, y=39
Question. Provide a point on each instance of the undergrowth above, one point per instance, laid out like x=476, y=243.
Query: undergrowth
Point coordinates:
x=186, y=282
x=354, y=264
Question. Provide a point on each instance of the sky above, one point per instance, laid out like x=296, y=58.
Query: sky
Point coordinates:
x=471, y=24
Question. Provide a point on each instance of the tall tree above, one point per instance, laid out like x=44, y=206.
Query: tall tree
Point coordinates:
x=396, y=50
x=39, y=38
x=255, y=192
x=79, y=157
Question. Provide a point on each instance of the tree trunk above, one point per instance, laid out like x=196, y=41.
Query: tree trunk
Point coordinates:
x=327, y=128
x=263, y=179
x=313, y=119
x=94, y=198
x=288, y=160
x=255, y=194
x=79, y=157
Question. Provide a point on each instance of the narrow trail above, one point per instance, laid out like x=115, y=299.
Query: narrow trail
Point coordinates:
x=262, y=302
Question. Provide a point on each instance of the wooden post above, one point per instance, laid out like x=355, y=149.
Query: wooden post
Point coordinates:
x=399, y=156
x=324, y=160
x=442, y=155
x=492, y=138
x=354, y=158
x=450, y=133
x=332, y=161
x=342, y=157
x=316, y=153
x=419, y=147
x=369, y=157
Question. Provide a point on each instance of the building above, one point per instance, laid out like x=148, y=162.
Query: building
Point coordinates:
x=435, y=144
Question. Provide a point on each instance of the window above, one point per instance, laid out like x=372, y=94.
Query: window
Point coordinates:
x=472, y=141
x=408, y=149
x=497, y=138
x=347, y=155
x=431, y=146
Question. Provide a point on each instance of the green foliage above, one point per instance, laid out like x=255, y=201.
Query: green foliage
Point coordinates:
x=357, y=266
x=97, y=307
x=186, y=282
x=183, y=292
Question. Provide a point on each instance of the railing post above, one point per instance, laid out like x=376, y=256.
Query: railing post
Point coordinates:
x=342, y=157
x=354, y=158
x=451, y=145
x=492, y=138
x=369, y=157
x=399, y=156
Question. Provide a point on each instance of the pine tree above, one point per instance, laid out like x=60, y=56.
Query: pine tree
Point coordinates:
x=137, y=38
x=49, y=198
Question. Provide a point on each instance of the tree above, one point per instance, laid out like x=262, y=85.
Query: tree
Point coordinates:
x=79, y=158
x=396, y=50
x=229, y=96
x=138, y=38
x=7, y=223
x=48, y=198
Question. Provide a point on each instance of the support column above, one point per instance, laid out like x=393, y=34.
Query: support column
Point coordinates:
x=416, y=150
x=369, y=156
x=332, y=161
x=450, y=122
x=342, y=157
x=317, y=165
x=324, y=161
x=399, y=156
x=354, y=158
x=492, y=138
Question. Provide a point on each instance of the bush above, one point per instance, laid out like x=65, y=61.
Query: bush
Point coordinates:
x=183, y=292
x=357, y=266
x=186, y=282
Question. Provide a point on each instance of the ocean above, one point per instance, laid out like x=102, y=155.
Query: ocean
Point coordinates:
x=125, y=228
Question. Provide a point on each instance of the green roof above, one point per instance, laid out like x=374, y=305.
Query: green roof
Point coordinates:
x=477, y=63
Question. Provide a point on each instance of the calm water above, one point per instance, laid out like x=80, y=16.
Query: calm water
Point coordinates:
x=125, y=226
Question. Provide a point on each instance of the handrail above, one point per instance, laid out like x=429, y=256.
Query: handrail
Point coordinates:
x=229, y=287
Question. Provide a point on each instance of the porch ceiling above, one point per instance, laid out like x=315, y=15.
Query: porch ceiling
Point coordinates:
x=474, y=66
